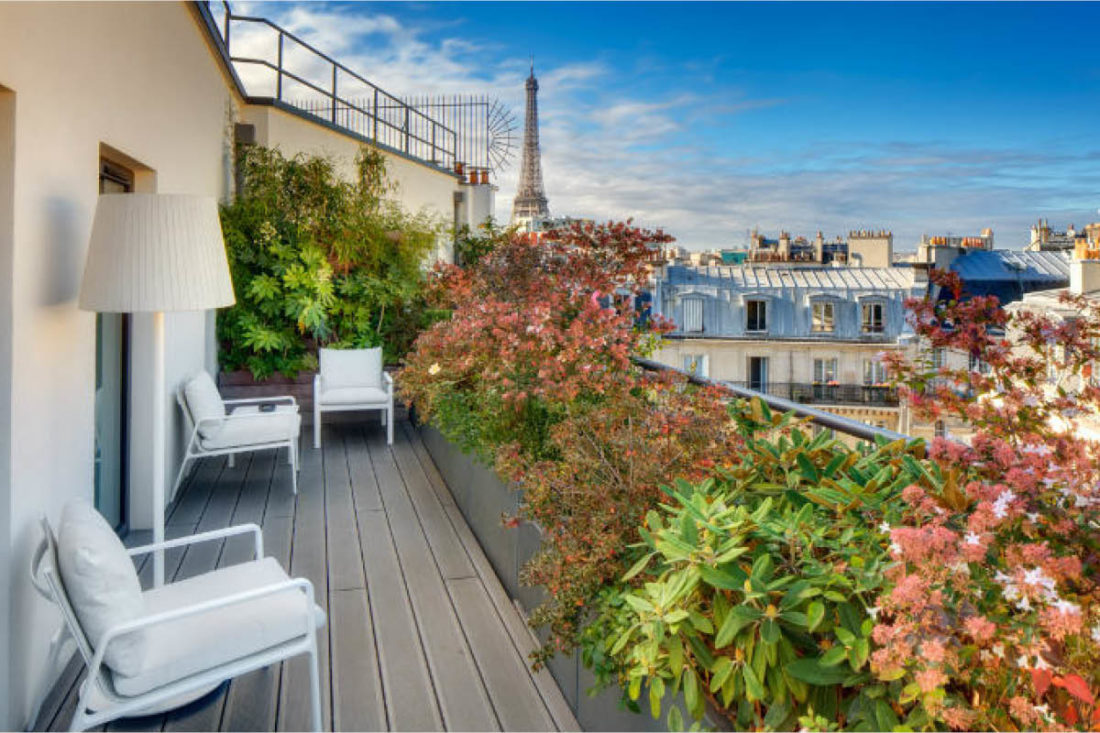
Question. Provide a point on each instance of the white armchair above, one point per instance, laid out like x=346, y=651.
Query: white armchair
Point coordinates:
x=227, y=427
x=351, y=379
x=155, y=650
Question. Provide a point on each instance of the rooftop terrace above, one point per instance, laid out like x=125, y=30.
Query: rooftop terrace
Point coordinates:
x=420, y=633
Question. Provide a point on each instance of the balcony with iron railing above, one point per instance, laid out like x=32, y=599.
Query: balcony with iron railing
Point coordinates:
x=806, y=393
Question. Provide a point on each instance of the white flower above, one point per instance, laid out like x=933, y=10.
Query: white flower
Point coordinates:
x=1023, y=604
x=1000, y=506
x=1033, y=517
x=434, y=369
x=1066, y=606
x=884, y=528
x=1043, y=710
x=999, y=650
x=1023, y=661
x=1041, y=663
x=873, y=612
x=972, y=539
x=895, y=548
x=1096, y=633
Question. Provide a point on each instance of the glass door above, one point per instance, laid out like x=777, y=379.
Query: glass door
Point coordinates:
x=112, y=387
x=758, y=373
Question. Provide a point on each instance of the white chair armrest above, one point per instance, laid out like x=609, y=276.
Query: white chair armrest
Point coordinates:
x=255, y=416
x=216, y=534
x=177, y=613
x=289, y=399
x=317, y=383
x=388, y=379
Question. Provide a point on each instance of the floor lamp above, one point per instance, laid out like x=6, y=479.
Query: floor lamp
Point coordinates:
x=152, y=253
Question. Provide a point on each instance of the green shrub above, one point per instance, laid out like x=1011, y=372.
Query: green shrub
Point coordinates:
x=317, y=260
x=756, y=590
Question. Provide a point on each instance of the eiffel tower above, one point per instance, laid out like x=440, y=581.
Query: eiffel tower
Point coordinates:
x=530, y=202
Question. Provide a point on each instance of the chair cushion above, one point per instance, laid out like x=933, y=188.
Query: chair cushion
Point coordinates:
x=265, y=427
x=204, y=401
x=193, y=644
x=101, y=583
x=350, y=367
x=355, y=396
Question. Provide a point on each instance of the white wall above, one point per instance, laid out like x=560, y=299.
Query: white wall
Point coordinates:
x=139, y=78
x=7, y=193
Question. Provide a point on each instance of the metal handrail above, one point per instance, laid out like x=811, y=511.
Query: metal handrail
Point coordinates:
x=819, y=417
x=440, y=141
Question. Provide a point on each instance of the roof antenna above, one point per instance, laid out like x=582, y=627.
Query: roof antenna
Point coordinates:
x=532, y=64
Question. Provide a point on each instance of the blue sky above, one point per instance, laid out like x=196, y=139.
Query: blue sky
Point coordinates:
x=711, y=118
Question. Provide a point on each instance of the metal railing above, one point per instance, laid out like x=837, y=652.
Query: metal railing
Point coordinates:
x=864, y=395
x=828, y=420
x=344, y=99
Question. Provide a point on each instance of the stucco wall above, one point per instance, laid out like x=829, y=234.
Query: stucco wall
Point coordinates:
x=420, y=187
x=139, y=78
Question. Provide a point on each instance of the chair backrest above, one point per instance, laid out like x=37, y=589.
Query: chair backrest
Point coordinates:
x=199, y=398
x=46, y=578
x=350, y=367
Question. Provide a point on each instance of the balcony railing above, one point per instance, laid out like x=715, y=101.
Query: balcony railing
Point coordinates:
x=829, y=394
x=276, y=66
x=829, y=420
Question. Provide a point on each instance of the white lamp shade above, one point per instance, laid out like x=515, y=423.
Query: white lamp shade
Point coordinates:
x=155, y=252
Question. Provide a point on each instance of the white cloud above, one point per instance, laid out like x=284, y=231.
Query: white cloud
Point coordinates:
x=611, y=154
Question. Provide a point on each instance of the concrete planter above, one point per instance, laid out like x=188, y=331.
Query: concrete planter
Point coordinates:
x=483, y=499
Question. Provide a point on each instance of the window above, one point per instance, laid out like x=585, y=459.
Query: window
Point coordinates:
x=874, y=372
x=758, y=373
x=979, y=365
x=824, y=371
x=756, y=315
x=940, y=429
x=823, y=317
x=696, y=364
x=939, y=357
x=874, y=317
x=693, y=314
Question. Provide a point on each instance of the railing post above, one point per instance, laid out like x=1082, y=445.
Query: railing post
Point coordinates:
x=228, y=17
x=279, y=78
x=406, y=127
x=434, y=126
x=374, y=134
x=334, y=94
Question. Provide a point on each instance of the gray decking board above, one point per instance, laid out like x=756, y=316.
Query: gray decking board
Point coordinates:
x=418, y=637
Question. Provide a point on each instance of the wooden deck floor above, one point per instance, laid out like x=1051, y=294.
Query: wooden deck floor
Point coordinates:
x=420, y=634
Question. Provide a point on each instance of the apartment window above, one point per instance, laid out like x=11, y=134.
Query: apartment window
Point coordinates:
x=756, y=315
x=693, y=315
x=825, y=370
x=979, y=365
x=940, y=429
x=874, y=317
x=758, y=373
x=939, y=357
x=874, y=372
x=697, y=365
x=824, y=320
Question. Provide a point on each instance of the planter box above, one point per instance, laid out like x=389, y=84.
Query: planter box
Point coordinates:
x=242, y=386
x=483, y=499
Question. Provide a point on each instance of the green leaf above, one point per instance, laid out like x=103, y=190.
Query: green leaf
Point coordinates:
x=809, y=471
x=754, y=690
x=675, y=721
x=815, y=614
x=656, y=692
x=769, y=631
x=834, y=656
x=738, y=618
x=809, y=669
x=638, y=566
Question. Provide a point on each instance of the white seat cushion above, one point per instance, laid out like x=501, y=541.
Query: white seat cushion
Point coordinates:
x=258, y=428
x=176, y=649
x=204, y=401
x=354, y=396
x=101, y=583
x=350, y=367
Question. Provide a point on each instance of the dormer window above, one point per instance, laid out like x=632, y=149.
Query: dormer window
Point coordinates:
x=693, y=315
x=874, y=317
x=824, y=316
x=756, y=316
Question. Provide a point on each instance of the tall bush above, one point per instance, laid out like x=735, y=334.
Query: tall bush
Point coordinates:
x=318, y=260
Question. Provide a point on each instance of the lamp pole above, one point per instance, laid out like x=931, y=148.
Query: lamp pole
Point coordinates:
x=158, y=446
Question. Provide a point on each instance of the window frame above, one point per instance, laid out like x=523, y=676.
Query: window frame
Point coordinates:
x=867, y=325
x=694, y=303
x=760, y=306
x=831, y=320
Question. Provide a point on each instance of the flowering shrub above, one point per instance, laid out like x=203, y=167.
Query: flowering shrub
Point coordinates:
x=993, y=615
x=533, y=373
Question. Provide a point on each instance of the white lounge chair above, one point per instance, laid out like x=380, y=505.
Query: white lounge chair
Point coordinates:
x=216, y=431
x=351, y=379
x=152, y=651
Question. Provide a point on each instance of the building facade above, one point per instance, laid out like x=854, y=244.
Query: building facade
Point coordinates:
x=811, y=334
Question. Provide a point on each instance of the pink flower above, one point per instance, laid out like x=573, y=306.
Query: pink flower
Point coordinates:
x=930, y=679
x=980, y=628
